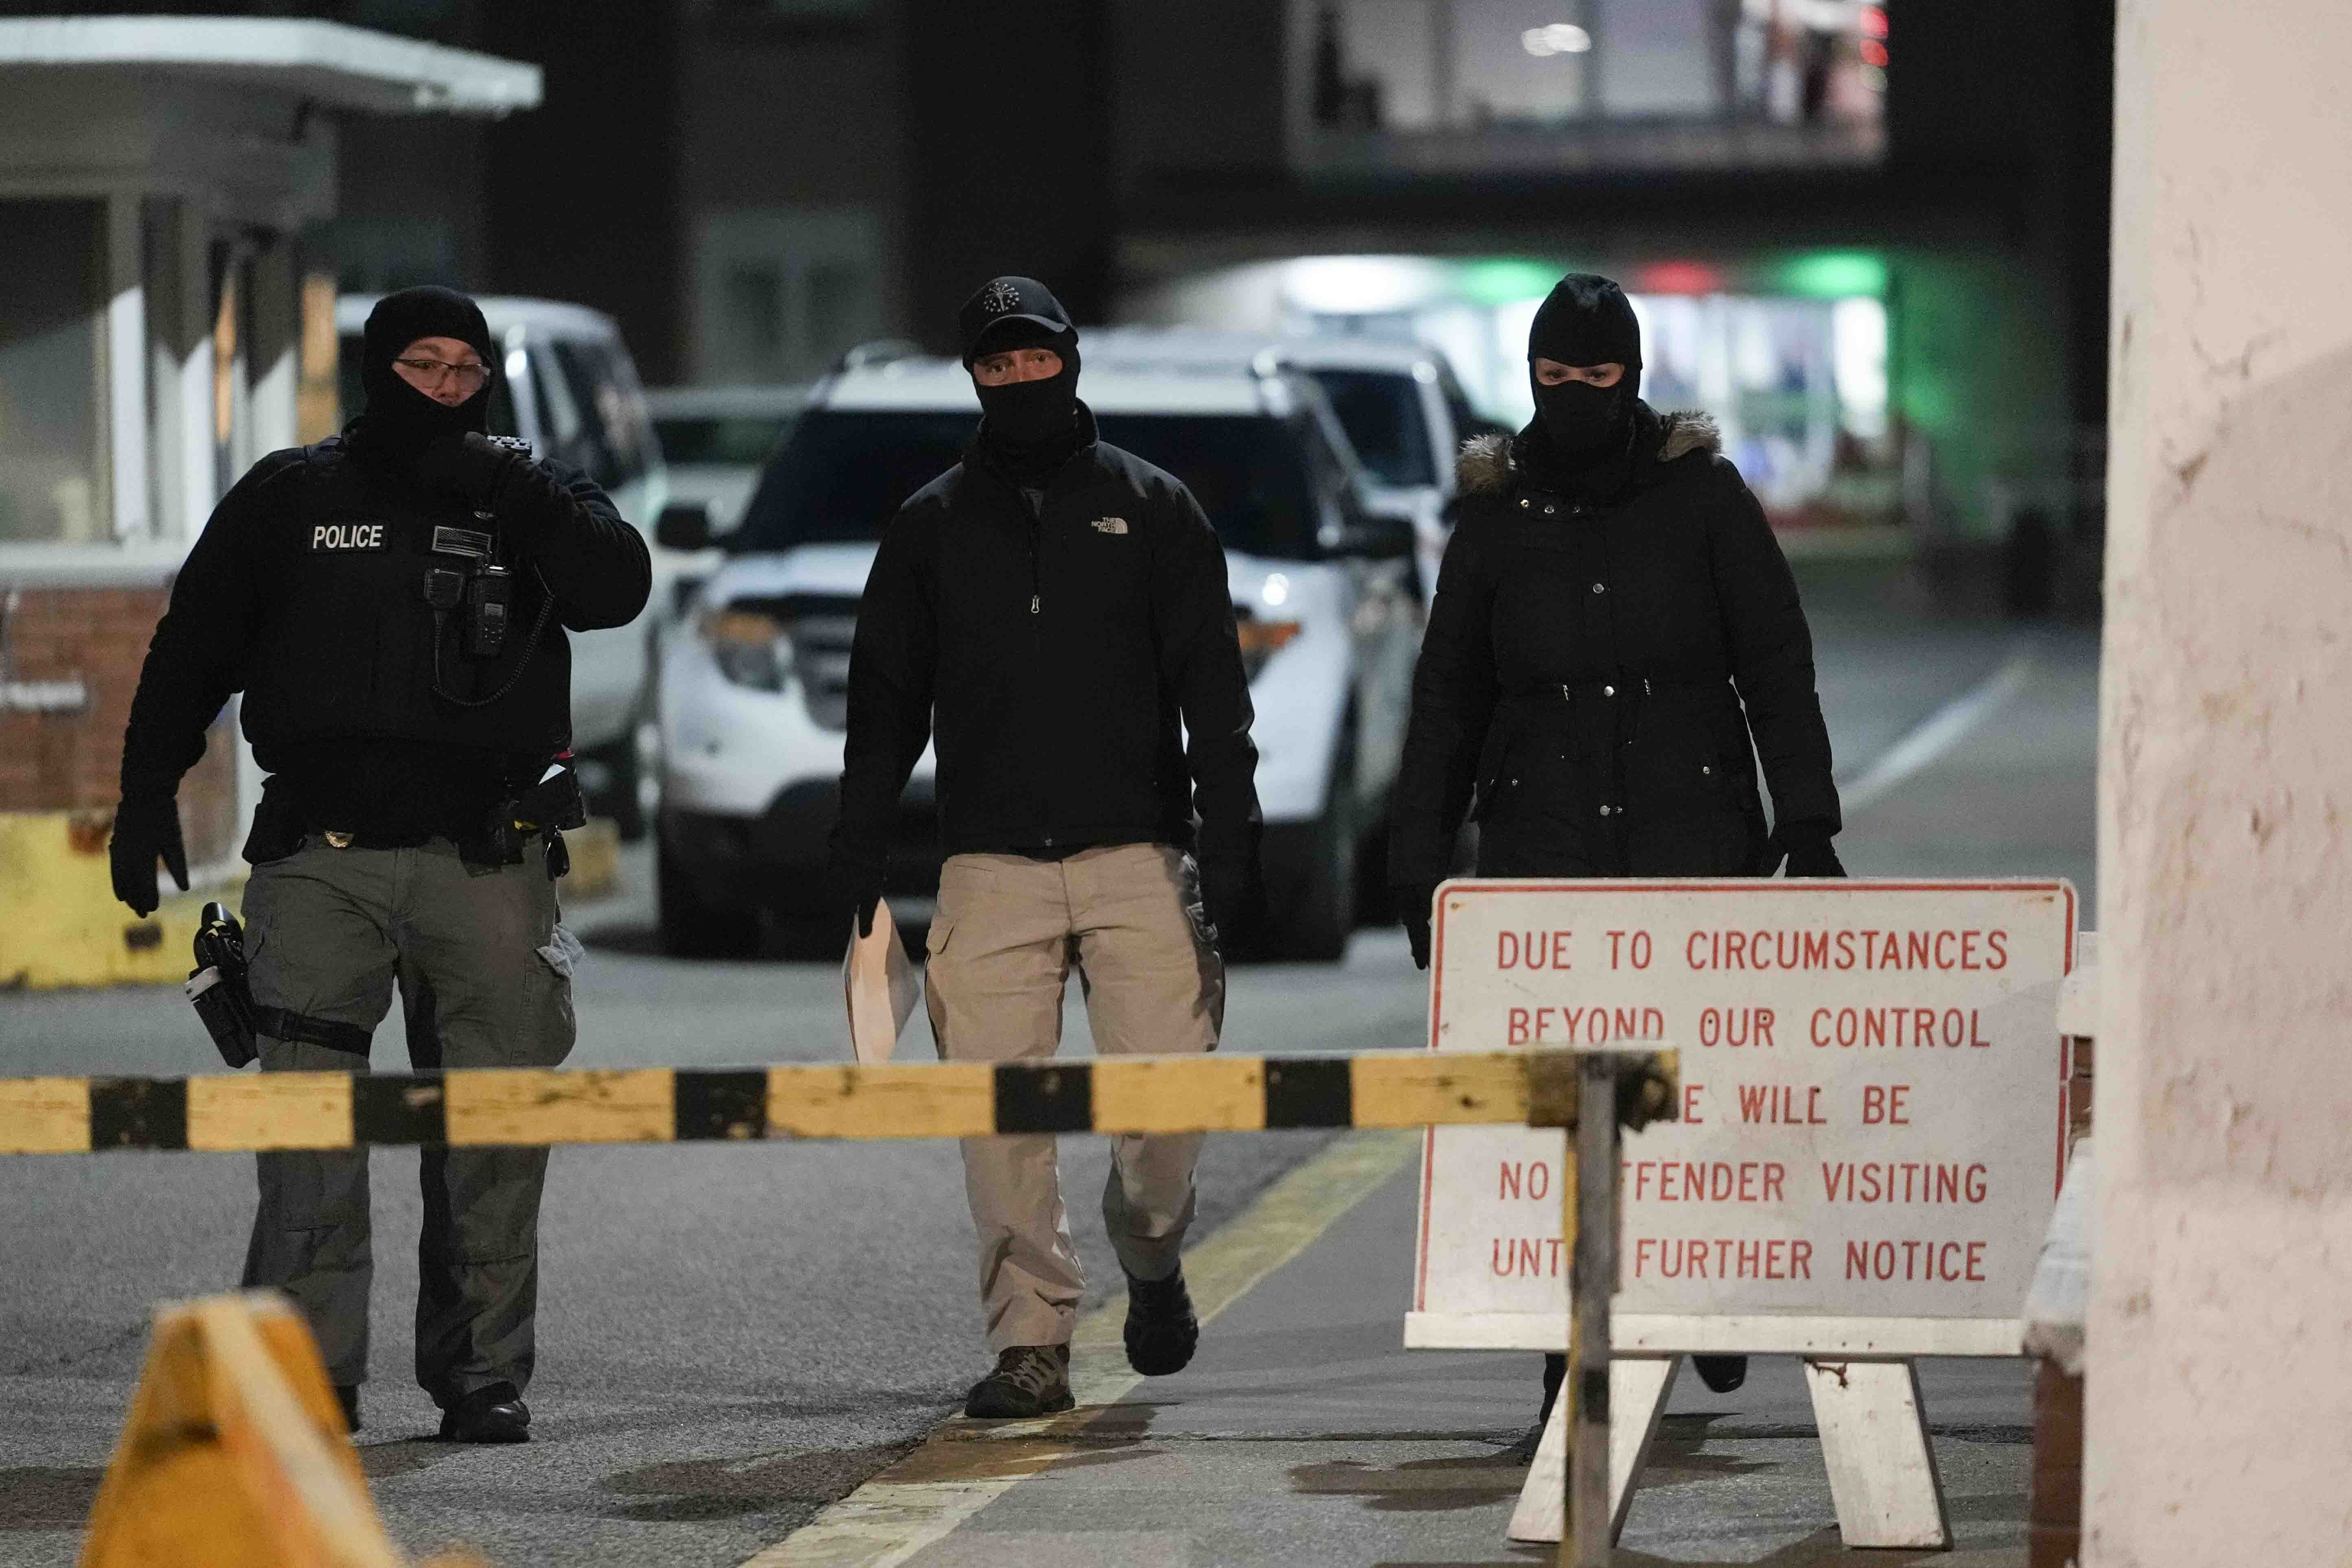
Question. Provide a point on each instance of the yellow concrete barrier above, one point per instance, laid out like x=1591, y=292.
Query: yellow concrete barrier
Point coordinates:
x=59, y=924
x=234, y=1453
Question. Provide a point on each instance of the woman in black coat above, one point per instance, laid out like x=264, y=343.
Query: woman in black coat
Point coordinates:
x=1616, y=640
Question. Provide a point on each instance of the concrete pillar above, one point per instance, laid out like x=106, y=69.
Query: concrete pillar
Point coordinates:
x=126, y=366
x=2220, y=1418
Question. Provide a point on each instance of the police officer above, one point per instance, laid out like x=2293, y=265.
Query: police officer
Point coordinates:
x=392, y=602
x=1048, y=610
x=1616, y=638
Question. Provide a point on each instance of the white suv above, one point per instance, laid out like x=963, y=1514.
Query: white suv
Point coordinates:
x=1407, y=415
x=755, y=676
x=571, y=390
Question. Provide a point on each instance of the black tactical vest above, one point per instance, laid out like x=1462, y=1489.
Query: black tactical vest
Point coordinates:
x=348, y=647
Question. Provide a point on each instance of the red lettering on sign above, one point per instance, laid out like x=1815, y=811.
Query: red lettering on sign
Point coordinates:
x=1690, y=1117
x=1531, y=1179
x=1707, y=1181
x=1723, y=1258
x=1902, y=1181
x=1939, y=1262
x=1532, y=950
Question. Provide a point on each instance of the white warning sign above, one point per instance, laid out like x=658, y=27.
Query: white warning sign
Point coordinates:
x=1872, y=1119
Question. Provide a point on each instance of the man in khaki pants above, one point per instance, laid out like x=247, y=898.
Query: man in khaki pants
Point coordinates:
x=1047, y=613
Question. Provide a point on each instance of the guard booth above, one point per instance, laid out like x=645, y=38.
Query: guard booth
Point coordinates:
x=161, y=328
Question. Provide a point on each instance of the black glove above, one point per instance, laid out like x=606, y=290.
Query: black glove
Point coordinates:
x=1233, y=894
x=1809, y=854
x=1413, y=904
x=471, y=467
x=146, y=830
x=857, y=888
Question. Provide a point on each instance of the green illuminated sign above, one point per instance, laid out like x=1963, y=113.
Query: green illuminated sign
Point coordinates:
x=1834, y=274
x=1506, y=280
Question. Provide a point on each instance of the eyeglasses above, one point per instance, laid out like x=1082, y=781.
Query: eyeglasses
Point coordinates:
x=471, y=375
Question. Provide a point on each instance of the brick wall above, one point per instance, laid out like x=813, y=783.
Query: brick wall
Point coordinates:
x=70, y=659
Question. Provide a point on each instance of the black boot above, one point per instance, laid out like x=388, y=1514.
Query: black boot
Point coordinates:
x=1029, y=1380
x=492, y=1415
x=1721, y=1372
x=1162, y=1332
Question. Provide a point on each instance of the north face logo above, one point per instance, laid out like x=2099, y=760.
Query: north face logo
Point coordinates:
x=1110, y=525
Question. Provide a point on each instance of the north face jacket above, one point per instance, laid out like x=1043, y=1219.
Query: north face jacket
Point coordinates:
x=1051, y=652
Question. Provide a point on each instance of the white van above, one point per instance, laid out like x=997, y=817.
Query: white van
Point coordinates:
x=571, y=390
x=754, y=680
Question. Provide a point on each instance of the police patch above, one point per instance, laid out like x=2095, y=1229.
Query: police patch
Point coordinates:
x=347, y=536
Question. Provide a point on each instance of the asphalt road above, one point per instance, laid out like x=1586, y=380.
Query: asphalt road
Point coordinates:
x=732, y=1336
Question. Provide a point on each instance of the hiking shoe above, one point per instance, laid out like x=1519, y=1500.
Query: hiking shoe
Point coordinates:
x=1162, y=1331
x=1029, y=1380
x=492, y=1415
x=1721, y=1372
x=347, y=1394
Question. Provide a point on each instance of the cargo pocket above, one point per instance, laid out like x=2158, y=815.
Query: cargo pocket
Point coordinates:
x=935, y=1007
x=556, y=1027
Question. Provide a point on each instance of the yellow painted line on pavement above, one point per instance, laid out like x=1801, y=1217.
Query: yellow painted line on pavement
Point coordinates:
x=967, y=1465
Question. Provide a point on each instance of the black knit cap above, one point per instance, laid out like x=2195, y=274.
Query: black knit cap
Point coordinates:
x=1586, y=320
x=1014, y=313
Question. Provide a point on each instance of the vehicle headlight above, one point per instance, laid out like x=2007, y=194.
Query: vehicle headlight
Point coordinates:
x=749, y=650
x=1261, y=641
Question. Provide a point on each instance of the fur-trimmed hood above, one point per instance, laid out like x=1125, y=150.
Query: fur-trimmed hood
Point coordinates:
x=1486, y=465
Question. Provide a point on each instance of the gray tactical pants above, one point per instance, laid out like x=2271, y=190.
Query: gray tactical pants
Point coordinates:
x=484, y=976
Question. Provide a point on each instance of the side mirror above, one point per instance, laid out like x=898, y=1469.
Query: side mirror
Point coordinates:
x=683, y=525
x=1373, y=535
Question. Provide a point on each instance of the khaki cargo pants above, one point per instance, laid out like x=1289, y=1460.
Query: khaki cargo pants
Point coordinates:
x=1007, y=931
x=484, y=978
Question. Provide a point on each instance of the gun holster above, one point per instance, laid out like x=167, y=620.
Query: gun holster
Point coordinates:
x=218, y=987
x=548, y=807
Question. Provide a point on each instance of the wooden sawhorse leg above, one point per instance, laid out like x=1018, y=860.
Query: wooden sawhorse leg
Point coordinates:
x=1638, y=1387
x=1882, y=1468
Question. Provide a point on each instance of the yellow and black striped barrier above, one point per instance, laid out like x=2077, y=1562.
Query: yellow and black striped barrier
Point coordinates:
x=227, y=1113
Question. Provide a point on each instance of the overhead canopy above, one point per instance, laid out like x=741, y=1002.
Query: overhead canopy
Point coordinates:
x=333, y=65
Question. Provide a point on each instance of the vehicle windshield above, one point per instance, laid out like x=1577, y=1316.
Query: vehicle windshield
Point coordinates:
x=1380, y=411
x=843, y=475
x=734, y=440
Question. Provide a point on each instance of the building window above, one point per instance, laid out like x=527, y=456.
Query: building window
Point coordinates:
x=52, y=469
x=780, y=292
x=1482, y=82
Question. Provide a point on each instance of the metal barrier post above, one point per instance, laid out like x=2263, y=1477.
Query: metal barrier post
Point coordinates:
x=1593, y=1092
x=1592, y=1220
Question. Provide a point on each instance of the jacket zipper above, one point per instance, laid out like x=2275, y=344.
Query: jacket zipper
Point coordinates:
x=1037, y=625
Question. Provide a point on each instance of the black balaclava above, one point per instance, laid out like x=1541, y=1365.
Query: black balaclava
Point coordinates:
x=1585, y=321
x=399, y=421
x=1028, y=426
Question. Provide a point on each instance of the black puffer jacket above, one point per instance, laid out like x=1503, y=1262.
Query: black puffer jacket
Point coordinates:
x=1591, y=676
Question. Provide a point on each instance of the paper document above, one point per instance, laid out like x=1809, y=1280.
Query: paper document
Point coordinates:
x=881, y=985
